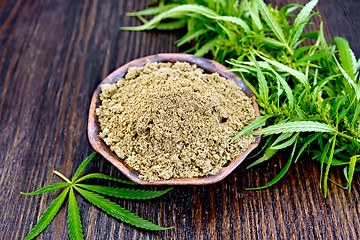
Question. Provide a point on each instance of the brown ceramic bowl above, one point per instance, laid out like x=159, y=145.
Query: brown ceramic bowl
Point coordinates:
x=209, y=67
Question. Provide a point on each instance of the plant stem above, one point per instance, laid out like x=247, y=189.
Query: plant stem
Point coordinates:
x=347, y=136
x=62, y=176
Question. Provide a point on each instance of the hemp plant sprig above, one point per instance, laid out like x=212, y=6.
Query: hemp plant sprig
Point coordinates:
x=91, y=193
x=308, y=91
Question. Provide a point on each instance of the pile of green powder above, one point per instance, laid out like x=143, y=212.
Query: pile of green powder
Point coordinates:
x=168, y=120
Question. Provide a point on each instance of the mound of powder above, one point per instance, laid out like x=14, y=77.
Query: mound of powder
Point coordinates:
x=172, y=120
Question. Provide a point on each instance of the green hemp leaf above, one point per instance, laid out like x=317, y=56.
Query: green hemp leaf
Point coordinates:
x=308, y=90
x=91, y=193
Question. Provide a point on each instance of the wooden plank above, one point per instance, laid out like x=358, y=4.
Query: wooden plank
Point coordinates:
x=53, y=54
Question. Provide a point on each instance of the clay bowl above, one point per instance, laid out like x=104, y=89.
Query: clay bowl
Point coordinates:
x=209, y=67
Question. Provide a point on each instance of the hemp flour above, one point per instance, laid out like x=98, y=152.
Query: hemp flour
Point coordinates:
x=170, y=120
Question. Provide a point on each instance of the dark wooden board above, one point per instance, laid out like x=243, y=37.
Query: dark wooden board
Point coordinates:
x=53, y=54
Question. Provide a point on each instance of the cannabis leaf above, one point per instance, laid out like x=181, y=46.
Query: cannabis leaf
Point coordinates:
x=272, y=23
x=298, y=126
x=300, y=21
x=308, y=95
x=92, y=195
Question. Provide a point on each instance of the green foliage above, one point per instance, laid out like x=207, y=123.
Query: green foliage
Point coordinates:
x=309, y=95
x=345, y=56
x=48, y=215
x=103, y=176
x=49, y=188
x=82, y=166
x=296, y=126
x=273, y=24
x=116, y=211
x=123, y=192
x=74, y=219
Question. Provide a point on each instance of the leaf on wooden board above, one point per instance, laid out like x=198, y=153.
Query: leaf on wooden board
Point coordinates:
x=103, y=176
x=311, y=139
x=82, y=166
x=48, y=215
x=353, y=160
x=74, y=219
x=269, y=152
x=329, y=164
x=123, y=192
x=48, y=188
x=116, y=211
x=282, y=172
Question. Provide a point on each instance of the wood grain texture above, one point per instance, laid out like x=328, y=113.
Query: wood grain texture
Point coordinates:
x=54, y=53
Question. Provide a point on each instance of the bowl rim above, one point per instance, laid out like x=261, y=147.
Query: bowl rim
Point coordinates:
x=208, y=66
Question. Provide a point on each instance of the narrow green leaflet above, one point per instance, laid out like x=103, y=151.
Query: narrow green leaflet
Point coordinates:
x=314, y=57
x=263, y=87
x=74, y=220
x=353, y=160
x=300, y=51
x=281, y=138
x=300, y=21
x=345, y=55
x=284, y=68
x=152, y=11
x=116, y=211
x=257, y=123
x=329, y=165
x=206, y=48
x=282, y=172
x=315, y=136
x=48, y=215
x=323, y=157
x=171, y=25
x=298, y=126
x=272, y=23
x=287, y=143
x=350, y=81
x=123, y=192
x=254, y=13
x=269, y=152
x=103, y=176
x=188, y=8
x=233, y=20
x=271, y=41
x=82, y=166
x=286, y=87
x=190, y=36
x=48, y=188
